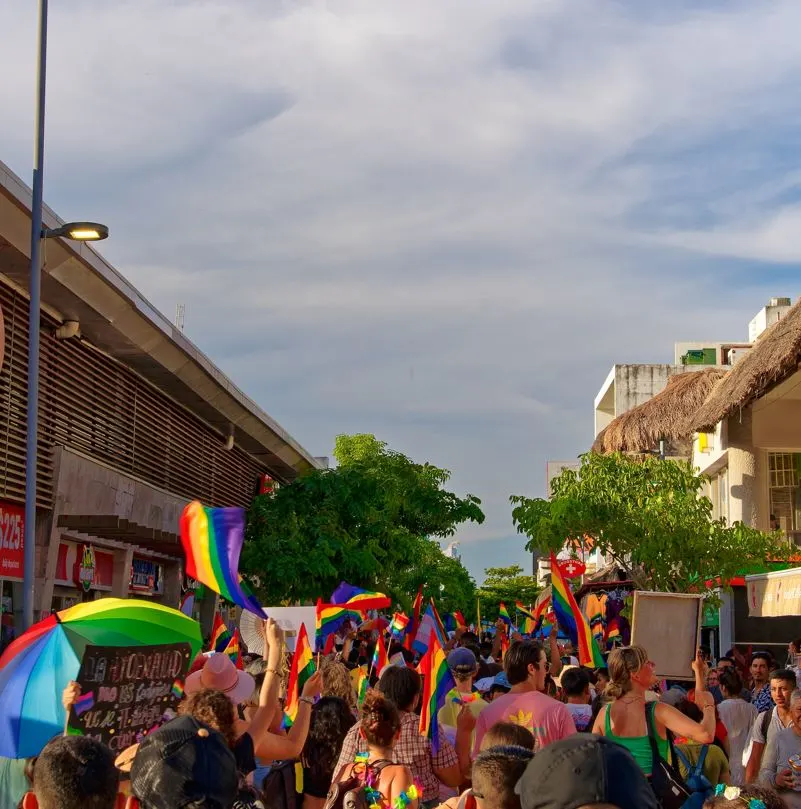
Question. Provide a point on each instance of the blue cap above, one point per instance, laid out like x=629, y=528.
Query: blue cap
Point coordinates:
x=501, y=680
x=462, y=658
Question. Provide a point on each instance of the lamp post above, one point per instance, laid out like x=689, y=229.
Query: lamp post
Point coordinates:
x=81, y=231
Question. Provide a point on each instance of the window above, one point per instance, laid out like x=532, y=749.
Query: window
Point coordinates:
x=785, y=495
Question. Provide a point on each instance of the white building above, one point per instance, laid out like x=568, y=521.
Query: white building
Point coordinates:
x=452, y=551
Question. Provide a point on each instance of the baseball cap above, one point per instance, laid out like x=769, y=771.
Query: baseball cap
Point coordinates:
x=462, y=658
x=584, y=769
x=501, y=680
x=184, y=762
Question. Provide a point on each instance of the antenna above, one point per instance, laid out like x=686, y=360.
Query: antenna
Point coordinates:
x=180, y=311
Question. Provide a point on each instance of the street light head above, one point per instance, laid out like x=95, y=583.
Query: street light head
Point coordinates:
x=78, y=231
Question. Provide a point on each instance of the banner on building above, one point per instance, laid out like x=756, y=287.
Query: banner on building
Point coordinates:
x=774, y=595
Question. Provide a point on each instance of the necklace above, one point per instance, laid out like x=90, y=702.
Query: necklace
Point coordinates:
x=375, y=800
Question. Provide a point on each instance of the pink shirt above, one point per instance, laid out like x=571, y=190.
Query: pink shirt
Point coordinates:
x=546, y=718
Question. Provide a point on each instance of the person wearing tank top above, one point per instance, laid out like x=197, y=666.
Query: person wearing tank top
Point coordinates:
x=625, y=720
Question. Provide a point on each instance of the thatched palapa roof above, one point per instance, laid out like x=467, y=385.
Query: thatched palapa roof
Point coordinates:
x=665, y=416
x=774, y=357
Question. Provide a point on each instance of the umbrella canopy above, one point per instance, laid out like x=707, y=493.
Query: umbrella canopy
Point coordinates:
x=36, y=667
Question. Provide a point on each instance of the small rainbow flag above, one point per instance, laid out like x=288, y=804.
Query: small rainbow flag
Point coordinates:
x=379, y=656
x=437, y=682
x=212, y=540
x=572, y=620
x=503, y=614
x=234, y=651
x=178, y=689
x=460, y=621
x=220, y=636
x=84, y=703
x=362, y=684
x=398, y=625
x=521, y=608
x=302, y=668
x=414, y=624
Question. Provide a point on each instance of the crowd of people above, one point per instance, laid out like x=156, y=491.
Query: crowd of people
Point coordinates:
x=535, y=731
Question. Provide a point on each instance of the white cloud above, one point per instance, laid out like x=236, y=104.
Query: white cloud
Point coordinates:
x=442, y=222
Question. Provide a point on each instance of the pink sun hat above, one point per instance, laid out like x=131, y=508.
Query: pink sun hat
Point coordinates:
x=221, y=674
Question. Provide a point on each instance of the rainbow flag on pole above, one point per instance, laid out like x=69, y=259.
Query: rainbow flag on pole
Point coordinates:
x=302, y=668
x=380, y=658
x=398, y=625
x=220, y=636
x=358, y=599
x=572, y=619
x=437, y=682
x=212, y=540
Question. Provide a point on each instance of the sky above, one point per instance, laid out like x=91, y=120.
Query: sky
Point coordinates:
x=439, y=222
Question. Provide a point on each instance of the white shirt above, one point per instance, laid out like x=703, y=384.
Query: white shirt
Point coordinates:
x=738, y=716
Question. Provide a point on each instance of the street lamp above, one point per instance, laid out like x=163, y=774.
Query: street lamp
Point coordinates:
x=80, y=231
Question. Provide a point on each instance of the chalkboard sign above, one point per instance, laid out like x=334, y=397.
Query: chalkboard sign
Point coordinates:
x=128, y=691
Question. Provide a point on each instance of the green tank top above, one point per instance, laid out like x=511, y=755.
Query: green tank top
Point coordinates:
x=639, y=746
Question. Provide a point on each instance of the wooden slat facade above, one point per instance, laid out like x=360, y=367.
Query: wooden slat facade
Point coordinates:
x=94, y=404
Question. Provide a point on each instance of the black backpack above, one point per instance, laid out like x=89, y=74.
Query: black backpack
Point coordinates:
x=350, y=794
x=278, y=788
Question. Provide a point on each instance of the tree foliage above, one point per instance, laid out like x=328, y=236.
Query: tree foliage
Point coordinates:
x=507, y=585
x=370, y=521
x=648, y=515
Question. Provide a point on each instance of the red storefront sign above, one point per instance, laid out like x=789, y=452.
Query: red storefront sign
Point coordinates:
x=68, y=565
x=12, y=544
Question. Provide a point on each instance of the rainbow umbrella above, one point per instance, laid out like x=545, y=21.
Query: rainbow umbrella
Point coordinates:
x=36, y=667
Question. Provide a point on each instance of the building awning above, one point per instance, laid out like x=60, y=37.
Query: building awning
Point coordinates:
x=774, y=595
x=118, y=529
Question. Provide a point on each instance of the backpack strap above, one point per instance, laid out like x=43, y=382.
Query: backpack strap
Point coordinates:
x=701, y=759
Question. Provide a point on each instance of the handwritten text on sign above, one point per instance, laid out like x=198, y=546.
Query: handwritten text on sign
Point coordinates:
x=126, y=692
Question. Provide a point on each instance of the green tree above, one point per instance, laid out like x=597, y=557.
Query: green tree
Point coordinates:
x=507, y=585
x=369, y=521
x=649, y=516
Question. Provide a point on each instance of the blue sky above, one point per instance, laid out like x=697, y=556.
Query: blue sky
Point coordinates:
x=438, y=222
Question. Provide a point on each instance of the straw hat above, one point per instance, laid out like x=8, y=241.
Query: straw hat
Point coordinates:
x=221, y=674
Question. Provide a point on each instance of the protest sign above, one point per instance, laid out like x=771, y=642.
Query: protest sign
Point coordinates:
x=668, y=626
x=126, y=692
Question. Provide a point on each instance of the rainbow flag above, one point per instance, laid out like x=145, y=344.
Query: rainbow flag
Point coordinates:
x=572, y=620
x=358, y=599
x=460, y=621
x=220, y=636
x=234, y=651
x=398, y=625
x=178, y=689
x=529, y=626
x=414, y=624
x=504, y=645
x=380, y=658
x=302, y=668
x=362, y=684
x=212, y=540
x=503, y=614
x=521, y=608
x=329, y=618
x=437, y=682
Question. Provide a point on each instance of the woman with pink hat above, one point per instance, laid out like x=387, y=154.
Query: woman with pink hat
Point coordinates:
x=254, y=739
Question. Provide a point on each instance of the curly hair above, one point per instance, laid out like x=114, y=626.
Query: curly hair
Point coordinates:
x=337, y=683
x=331, y=719
x=212, y=708
x=769, y=797
x=380, y=719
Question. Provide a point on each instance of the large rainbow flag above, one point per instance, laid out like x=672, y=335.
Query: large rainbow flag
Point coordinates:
x=212, y=539
x=358, y=599
x=302, y=668
x=572, y=619
x=437, y=682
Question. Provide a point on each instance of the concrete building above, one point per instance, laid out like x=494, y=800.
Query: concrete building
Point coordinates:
x=134, y=422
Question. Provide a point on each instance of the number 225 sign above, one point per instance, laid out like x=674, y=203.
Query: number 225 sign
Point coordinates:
x=12, y=521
